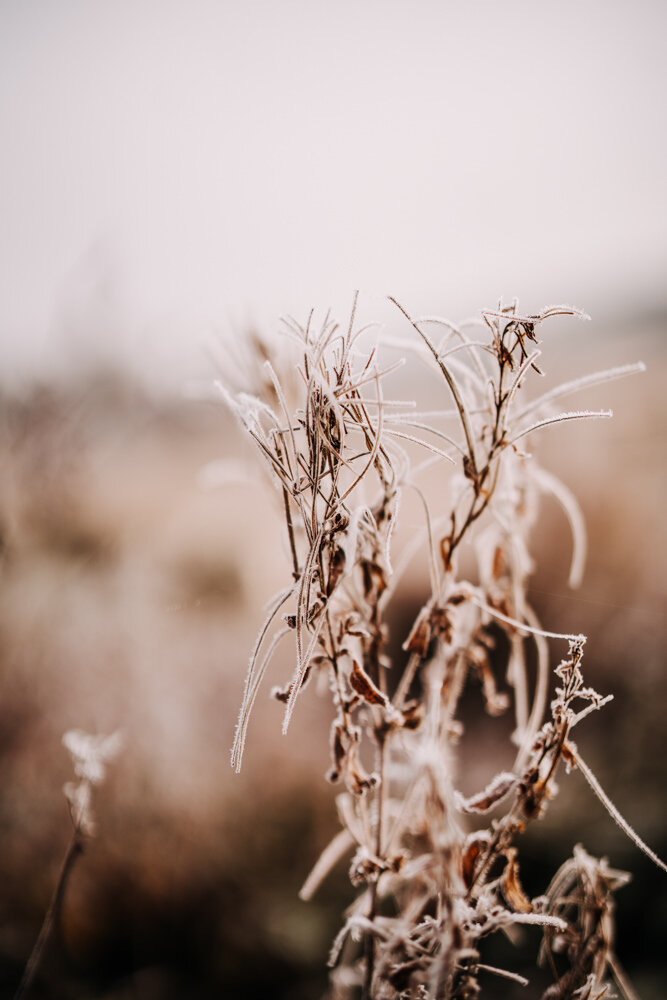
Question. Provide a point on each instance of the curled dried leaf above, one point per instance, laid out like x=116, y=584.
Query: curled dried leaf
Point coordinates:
x=511, y=887
x=412, y=715
x=336, y=569
x=497, y=789
x=363, y=685
x=535, y=793
x=420, y=635
x=284, y=694
x=471, y=856
x=374, y=580
x=431, y=621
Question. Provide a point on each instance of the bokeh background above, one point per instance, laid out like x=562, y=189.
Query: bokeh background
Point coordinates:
x=176, y=175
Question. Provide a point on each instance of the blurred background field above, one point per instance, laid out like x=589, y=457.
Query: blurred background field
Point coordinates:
x=173, y=176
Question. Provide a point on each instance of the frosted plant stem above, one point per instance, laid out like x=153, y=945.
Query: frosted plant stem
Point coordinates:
x=563, y=418
x=74, y=849
x=522, y=625
x=521, y=980
x=586, y=381
x=613, y=811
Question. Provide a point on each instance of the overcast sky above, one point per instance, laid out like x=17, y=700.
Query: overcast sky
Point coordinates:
x=169, y=167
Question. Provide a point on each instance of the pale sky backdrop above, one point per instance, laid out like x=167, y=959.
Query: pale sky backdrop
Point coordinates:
x=170, y=168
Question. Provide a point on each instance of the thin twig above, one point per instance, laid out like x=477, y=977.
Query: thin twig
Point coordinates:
x=74, y=849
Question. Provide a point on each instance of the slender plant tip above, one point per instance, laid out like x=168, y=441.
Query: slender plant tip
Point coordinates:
x=563, y=418
x=615, y=814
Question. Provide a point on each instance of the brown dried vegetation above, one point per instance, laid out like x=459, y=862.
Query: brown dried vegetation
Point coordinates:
x=431, y=888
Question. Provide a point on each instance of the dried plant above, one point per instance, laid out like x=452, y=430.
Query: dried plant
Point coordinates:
x=431, y=887
x=90, y=755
